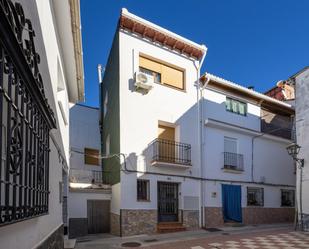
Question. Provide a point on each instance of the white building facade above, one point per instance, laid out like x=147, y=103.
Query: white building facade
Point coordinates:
x=39, y=81
x=88, y=197
x=168, y=136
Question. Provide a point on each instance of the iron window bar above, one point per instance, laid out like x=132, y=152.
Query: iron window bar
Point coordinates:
x=233, y=161
x=169, y=151
x=27, y=119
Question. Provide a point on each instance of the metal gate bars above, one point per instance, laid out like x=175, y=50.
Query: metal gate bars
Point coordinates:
x=25, y=118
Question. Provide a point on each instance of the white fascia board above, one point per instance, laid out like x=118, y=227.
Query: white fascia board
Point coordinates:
x=244, y=89
x=126, y=13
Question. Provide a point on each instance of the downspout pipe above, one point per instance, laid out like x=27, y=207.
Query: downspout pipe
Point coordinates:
x=198, y=65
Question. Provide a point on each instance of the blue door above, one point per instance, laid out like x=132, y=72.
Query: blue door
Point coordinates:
x=231, y=202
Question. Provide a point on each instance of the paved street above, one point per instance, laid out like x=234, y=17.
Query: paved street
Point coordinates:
x=264, y=237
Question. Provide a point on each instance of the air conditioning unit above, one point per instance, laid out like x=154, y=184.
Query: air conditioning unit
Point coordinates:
x=143, y=81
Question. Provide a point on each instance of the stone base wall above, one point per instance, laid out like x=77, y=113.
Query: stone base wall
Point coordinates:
x=260, y=215
x=115, y=224
x=140, y=221
x=190, y=219
x=54, y=241
x=78, y=227
x=213, y=217
x=251, y=215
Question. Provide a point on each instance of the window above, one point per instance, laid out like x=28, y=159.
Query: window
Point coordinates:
x=91, y=156
x=162, y=73
x=230, y=145
x=105, y=103
x=236, y=106
x=255, y=196
x=287, y=198
x=143, y=190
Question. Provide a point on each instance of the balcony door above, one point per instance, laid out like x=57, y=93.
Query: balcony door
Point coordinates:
x=167, y=148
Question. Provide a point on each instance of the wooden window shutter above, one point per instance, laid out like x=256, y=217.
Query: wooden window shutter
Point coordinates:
x=150, y=64
x=91, y=156
x=172, y=76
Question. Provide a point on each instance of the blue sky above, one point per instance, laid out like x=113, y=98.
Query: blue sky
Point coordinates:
x=250, y=42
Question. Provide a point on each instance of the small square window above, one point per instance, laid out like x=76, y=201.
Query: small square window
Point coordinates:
x=287, y=198
x=255, y=196
x=91, y=156
x=143, y=190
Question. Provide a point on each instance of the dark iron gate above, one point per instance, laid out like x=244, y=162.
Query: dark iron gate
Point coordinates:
x=25, y=119
x=167, y=202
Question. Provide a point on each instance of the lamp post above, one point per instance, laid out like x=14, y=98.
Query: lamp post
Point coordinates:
x=293, y=150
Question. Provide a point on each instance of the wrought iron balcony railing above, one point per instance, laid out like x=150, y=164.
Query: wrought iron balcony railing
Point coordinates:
x=87, y=176
x=168, y=151
x=233, y=161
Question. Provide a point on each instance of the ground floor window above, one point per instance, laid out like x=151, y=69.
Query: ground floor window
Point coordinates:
x=255, y=196
x=287, y=197
x=143, y=190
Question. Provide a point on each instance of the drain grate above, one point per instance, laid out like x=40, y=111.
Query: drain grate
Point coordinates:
x=131, y=244
x=150, y=240
x=213, y=229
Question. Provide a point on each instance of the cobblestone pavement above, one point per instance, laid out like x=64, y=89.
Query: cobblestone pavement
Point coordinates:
x=278, y=239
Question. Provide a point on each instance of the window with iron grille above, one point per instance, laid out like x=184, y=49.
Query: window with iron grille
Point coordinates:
x=287, y=198
x=255, y=196
x=25, y=118
x=143, y=190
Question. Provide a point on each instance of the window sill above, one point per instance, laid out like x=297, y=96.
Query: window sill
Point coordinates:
x=143, y=200
x=175, y=88
x=233, y=171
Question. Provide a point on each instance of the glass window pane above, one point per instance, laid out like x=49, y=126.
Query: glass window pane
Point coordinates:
x=228, y=104
x=242, y=108
x=234, y=106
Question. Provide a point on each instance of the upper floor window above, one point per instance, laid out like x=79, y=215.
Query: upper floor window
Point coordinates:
x=255, y=196
x=162, y=73
x=236, y=106
x=287, y=198
x=91, y=156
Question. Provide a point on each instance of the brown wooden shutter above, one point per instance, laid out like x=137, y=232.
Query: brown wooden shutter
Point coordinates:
x=150, y=64
x=91, y=156
x=172, y=76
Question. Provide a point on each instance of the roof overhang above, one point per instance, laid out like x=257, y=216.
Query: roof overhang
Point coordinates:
x=157, y=34
x=67, y=15
x=265, y=101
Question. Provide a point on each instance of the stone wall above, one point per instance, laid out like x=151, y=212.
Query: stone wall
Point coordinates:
x=190, y=219
x=251, y=215
x=214, y=217
x=135, y=222
x=54, y=241
x=115, y=224
x=260, y=215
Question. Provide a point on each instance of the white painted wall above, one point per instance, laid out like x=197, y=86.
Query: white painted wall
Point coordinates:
x=84, y=133
x=302, y=128
x=140, y=114
x=77, y=203
x=28, y=234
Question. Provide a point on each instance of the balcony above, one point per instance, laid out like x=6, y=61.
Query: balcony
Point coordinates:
x=233, y=162
x=87, y=179
x=277, y=130
x=170, y=153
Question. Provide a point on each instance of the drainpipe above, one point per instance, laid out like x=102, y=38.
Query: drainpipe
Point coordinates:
x=200, y=125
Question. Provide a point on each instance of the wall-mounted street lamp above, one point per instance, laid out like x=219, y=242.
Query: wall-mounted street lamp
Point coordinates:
x=293, y=150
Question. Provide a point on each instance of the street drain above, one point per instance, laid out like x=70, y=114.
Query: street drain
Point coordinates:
x=225, y=233
x=150, y=240
x=131, y=244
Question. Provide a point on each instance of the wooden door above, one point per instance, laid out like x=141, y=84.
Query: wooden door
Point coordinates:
x=167, y=147
x=98, y=216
